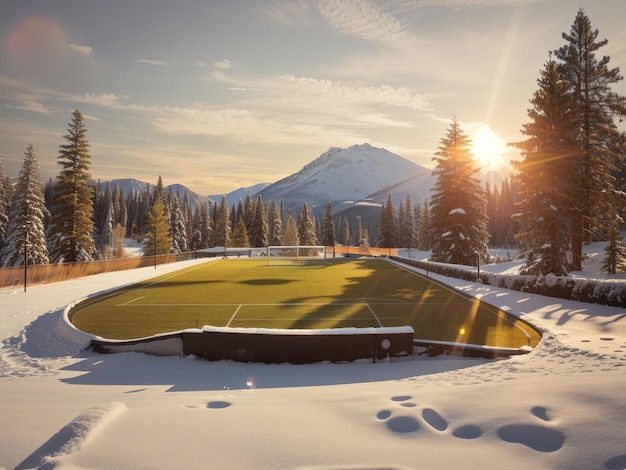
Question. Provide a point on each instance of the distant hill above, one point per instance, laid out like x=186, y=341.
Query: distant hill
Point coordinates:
x=343, y=177
x=240, y=194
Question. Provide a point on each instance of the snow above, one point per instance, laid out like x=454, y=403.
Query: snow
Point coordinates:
x=458, y=210
x=560, y=406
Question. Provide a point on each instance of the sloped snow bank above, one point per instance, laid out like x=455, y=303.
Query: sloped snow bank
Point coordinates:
x=74, y=436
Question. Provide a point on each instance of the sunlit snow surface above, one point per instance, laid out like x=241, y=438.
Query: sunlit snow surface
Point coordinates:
x=561, y=406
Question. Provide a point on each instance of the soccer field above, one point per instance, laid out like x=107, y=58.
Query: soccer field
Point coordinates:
x=299, y=294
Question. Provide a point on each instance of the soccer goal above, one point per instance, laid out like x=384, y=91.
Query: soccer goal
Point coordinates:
x=278, y=254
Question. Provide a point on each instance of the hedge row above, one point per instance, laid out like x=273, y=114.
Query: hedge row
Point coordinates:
x=612, y=293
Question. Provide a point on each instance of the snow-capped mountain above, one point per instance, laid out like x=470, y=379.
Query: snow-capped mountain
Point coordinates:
x=344, y=176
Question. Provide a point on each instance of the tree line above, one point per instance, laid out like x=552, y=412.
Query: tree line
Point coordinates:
x=568, y=190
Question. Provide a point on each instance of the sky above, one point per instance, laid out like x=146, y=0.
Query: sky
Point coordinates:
x=219, y=95
x=68, y=408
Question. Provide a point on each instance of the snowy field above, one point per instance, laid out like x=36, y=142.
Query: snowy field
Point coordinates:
x=563, y=406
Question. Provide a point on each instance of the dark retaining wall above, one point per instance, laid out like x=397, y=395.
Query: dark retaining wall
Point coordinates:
x=273, y=346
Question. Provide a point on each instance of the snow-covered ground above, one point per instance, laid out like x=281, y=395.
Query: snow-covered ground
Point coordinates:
x=562, y=406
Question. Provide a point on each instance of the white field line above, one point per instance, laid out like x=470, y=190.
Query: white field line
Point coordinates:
x=374, y=314
x=233, y=316
x=131, y=301
x=288, y=304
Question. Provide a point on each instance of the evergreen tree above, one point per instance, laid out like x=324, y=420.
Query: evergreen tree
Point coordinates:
x=291, y=231
x=615, y=251
x=328, y=228
x=72, y=206
x=221, y=230
x=240, y=237
x=201, y=230
x=259, y=228
x=178, y=230
x=407, y=226
x=26, y=232
x=548, y=179
x=275, y=226
x=388, y=231
x=423, y=227
x=4, y=206
x=345, y=232
x=158, y=240
x=590, y=81
x=306, y=227
x=457, y=206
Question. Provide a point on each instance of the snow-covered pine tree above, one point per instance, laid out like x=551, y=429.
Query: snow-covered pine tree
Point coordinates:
x=615, y=252
x=328, y=227
x=306, y=227
x=597, y=106
x=275, y=226
x=548, y=176
x=27, y=213
x=4, y=206
x=221, y=230
x=457, y=207
x=259, y=229
x=71, y=229
x=388, y=228
x=178, y=230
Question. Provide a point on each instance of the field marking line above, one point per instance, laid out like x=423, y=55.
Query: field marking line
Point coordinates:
x=131, y=301
x=234, y=315
x=289, y=304
x=374, y=315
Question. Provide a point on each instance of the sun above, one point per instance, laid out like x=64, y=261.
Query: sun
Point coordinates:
x=487, y=147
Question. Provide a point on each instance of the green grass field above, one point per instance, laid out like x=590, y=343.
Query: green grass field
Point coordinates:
x=304, y=294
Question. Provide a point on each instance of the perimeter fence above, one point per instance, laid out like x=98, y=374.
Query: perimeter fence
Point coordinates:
x=21, y=276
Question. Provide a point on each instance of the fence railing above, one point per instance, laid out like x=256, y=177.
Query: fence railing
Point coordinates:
x=47, y=273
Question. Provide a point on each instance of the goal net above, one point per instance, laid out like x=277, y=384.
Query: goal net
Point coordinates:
x=277, y=254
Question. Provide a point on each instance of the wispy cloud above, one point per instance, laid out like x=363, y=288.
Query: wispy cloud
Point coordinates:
x=224, y=64
x=80, y=49
x=364, y=19
x=154, y=62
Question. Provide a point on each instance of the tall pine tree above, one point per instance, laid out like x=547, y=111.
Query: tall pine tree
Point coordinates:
x=71, y=231
x=597, y=107
x=548, y=177
x=457, y=207
x=26, y=232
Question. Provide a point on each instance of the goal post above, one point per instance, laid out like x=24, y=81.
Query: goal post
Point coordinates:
x=295, y=253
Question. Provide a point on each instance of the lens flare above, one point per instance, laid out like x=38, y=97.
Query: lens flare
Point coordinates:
x=37, y=46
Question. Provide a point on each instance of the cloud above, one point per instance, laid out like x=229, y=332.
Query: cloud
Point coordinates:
x=81, y=49
x=34, y=106
x=200, y=63
x=295, y=13
x=154, y=62
x=224, y=64
x=365, y=20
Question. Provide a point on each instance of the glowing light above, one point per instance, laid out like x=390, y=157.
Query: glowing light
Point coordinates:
x=462, y=331
x=487, y=147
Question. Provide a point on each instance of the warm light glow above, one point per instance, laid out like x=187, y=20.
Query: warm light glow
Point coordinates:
x=487, y=147
x=462, y=331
